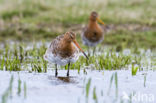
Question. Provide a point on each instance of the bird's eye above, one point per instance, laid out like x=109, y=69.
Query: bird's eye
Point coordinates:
x=71, y=36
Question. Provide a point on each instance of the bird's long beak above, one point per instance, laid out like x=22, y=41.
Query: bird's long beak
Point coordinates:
x=75, y=42
x=100, y=21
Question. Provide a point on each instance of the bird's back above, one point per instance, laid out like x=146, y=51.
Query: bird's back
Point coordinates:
x=56, y=44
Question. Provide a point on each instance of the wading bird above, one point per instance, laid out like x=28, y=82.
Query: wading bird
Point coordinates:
x=92, y=34
x=63, y=50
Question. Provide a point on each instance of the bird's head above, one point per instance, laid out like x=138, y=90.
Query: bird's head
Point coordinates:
x=71, y=37
x=94, y=17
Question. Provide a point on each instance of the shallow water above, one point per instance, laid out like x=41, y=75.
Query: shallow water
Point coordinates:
x=44, y=87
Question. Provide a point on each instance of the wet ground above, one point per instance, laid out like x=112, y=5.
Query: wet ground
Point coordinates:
x=45, y=87
x=89, y=85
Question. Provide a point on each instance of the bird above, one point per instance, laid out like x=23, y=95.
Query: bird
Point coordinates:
x=93, y=33
x=63, y=50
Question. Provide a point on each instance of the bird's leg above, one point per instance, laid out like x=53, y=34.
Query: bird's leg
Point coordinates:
x=94, y=49
x=56, y=70
x=68, y=69
x=88, y=51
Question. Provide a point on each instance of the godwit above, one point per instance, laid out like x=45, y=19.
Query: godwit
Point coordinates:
x=63, y=50
x=92, y=34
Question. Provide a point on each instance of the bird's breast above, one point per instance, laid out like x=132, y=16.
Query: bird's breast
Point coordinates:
x=94, y=35
x=67, y=50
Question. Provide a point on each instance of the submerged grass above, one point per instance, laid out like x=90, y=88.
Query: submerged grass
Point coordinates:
x=8, y=92
x=25, y=90
x=145, y=81
x=95, y=95
x=88, y=89
x=18, y=57
x=134, y=69
x=19, y=86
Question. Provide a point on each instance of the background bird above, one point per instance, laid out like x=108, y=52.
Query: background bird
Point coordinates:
x=63, y=50
x=93, y=33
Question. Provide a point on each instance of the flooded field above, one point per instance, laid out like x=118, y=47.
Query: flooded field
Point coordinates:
x=121, y=68
x=109, y=76
x=94, y=87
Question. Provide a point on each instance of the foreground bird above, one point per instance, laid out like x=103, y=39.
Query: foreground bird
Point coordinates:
x=63, y=50
x=92, y=34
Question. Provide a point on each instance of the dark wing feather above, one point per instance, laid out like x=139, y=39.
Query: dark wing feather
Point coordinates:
x=55, y=44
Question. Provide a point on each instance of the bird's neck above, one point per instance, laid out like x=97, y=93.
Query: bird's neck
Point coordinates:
x=66, y=45
x=92, y=24
x=67, y=49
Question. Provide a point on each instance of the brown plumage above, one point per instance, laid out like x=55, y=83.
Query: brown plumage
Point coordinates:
x=92, y=34
x=63, y=50
x=63, y=46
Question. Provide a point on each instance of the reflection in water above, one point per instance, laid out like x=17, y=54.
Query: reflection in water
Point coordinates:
x=66, y=79
x=63, y=79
